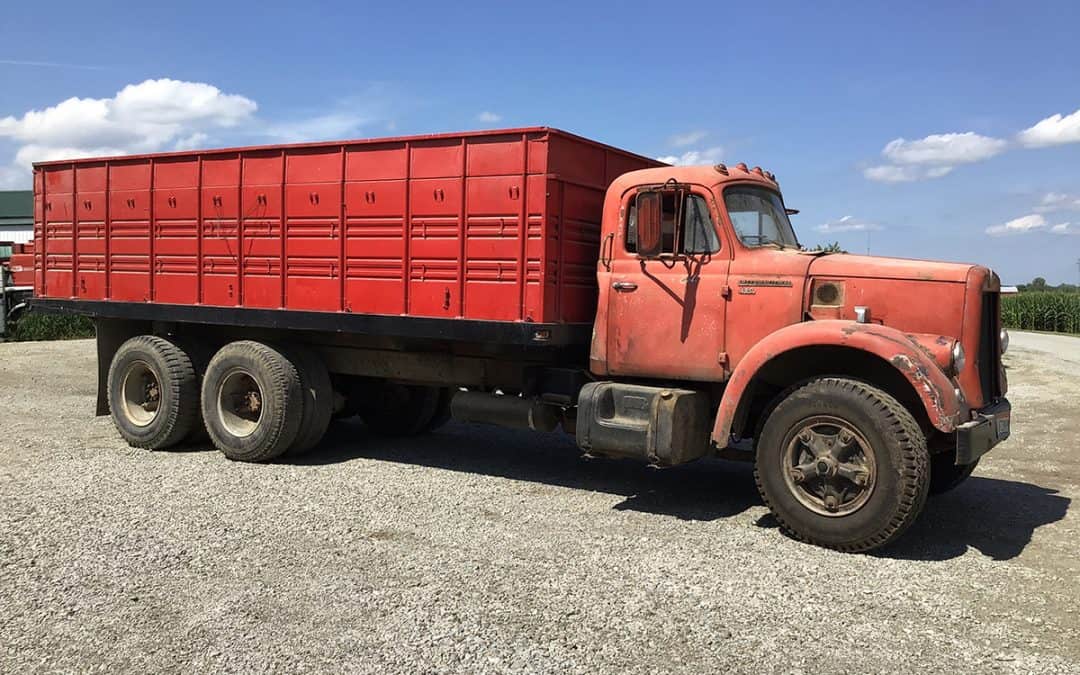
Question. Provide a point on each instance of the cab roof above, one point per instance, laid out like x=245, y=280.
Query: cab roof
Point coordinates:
x=710, y=175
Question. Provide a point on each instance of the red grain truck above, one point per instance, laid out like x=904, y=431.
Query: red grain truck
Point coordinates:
x=528, y=278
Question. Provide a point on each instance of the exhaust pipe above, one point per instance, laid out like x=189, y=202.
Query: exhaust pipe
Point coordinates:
x=504, y=411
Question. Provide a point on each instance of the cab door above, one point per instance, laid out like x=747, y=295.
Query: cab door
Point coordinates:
x=668, y=287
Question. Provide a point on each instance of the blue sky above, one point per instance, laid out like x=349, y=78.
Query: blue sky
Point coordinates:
x=923, y=129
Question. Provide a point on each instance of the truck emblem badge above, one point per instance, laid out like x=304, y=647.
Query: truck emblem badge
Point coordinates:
x=786, y=283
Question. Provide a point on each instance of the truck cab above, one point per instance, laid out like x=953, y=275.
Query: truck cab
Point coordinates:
x=702, y=280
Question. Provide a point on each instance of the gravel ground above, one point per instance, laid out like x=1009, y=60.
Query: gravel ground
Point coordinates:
x=478, y=549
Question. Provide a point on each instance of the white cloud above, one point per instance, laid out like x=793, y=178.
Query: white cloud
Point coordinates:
x=1021, y=225
x=1054, y=130
x=195, y=141
x=689, y=138
x=1058, y=201
x=319, y=128
x=889, y=173
x=695, y=157
x=1034, y=222
x=944, y=149
x=489, y=117
x=150, y=116
x=848, y=224
x=13, y=178
x=933, y=156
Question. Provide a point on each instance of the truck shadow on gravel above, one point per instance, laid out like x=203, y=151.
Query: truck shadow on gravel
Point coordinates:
x=996, y=517
x=700, y=491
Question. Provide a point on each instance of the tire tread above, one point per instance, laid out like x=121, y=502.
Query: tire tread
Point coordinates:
x=179, y=376
x=914, y=470
x=283, y=383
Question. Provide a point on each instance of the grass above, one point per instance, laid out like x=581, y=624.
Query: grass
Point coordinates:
x=35, y=326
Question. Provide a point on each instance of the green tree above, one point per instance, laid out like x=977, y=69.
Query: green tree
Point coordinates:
x=833, y=247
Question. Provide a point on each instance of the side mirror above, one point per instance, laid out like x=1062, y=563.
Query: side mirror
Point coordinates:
x=648, y=224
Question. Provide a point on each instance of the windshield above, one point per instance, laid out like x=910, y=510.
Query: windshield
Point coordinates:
x=758, y=217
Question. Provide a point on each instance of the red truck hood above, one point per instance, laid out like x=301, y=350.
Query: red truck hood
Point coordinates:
x=874, y=267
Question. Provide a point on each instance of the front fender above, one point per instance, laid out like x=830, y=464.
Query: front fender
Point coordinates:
x=938, y=395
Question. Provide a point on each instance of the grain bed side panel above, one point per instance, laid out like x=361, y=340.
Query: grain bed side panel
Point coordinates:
x=219, y=229
x=175, y=206
x=128, y=238
x=313, y=229
x=90, y=241
x=59, y=234
x=261, y=229
x=491, y=226
x=376, y=210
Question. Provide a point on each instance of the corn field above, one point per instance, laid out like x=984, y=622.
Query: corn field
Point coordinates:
x=1056, y=311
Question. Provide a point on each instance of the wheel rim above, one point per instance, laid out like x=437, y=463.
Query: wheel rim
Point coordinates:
x=141, y=398
x=239, y=403
x=829, y=466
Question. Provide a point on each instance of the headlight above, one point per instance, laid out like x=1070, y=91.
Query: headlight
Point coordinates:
x=958, y=358
x=1004, y=340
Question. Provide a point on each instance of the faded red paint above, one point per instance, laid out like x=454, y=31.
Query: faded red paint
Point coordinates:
x=926, y=377
x=918, y=309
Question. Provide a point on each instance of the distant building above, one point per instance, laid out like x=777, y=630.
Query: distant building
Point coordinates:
x=16, y=216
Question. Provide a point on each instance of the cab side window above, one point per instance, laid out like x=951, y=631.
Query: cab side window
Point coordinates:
x=683, y=217
x=699, y=232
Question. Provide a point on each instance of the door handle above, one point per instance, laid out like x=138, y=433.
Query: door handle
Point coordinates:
x=624, y=286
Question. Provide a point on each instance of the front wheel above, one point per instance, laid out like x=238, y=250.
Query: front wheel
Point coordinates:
x=843, y=465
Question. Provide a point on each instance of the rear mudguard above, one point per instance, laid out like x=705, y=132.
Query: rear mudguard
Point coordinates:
x=938, y=394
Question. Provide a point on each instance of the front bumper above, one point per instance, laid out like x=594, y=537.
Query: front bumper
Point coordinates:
x=990, y=426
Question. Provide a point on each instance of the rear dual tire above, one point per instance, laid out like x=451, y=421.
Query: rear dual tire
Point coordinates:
x=252, y=401
x=316, y=392
x=153, y=392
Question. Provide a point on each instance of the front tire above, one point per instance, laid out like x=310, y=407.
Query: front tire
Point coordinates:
x=842, y=465
x=153, y=392
x=252, y=401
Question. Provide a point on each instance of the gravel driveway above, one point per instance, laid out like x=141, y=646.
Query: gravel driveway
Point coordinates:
x=481, y=550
